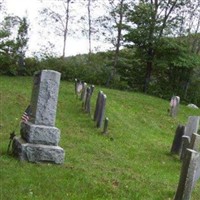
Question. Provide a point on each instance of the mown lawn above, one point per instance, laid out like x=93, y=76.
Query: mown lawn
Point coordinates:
x=133, y=162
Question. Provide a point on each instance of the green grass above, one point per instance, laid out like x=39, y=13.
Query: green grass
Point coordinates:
x=133, y=162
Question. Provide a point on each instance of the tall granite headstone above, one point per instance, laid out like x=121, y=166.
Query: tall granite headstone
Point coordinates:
x=39, y=136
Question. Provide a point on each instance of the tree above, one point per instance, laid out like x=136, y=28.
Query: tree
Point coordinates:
x=13, y=43
x=111, y=27
x=149, y=21
x=57, y=17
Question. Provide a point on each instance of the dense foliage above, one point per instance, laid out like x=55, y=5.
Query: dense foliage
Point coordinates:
x=160, y=54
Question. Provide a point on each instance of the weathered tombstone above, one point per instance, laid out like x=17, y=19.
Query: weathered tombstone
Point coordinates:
x=83, y=94
x=105, y=128
x=190, y=171
x=176, y=145
x=97, y=108
x=92, y=89
x=101, y=112
x=185, y=143
x=191, y=127
x=75, y=85
x=39, y=136
x=188, y=176
x=174, y=104
x=87, y=101
x=195, y=142
x=191, y=105
x=78, y=88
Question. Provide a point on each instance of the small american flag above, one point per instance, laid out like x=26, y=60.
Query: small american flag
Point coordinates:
x=26, y=115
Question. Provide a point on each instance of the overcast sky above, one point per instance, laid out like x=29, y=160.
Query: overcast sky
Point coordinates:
x=30, y=9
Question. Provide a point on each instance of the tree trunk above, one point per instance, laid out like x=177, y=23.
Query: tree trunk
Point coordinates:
x=119, y=23
x=149, y=69
x=66, y=28
x=89, y=29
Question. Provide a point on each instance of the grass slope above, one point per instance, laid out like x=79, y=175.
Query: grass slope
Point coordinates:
x=132, y=163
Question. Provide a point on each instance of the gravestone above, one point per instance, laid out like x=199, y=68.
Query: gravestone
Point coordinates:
x=105, y=128
x=83, y=94
x=176, y=145
x=191, y=105
x=78, y=87
x=87, y=102
x=190, y=171
x=39, y=136
x=191, y=127
x=92, y=89
x=100, y=109
x=97, y=107
x=174, y=104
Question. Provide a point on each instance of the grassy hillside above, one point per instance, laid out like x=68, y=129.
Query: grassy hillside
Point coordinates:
x=133, y=162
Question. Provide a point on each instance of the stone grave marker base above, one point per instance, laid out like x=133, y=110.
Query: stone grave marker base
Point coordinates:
x=40, y=134
x=37, y=152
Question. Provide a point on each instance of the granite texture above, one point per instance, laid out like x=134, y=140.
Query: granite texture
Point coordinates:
x=37, y=152
x=44, y=97
x=40, y=134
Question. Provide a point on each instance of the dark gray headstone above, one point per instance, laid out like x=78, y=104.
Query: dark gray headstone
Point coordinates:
x=87, y=101
x=97, y=108
x=105, y=128
x=92, y=89
x=101, y=112
x=176, y=145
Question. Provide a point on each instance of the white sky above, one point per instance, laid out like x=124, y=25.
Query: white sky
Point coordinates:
x=30, y=9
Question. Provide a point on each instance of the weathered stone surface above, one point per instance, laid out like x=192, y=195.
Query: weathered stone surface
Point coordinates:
x=37, y=152
x=97, y=108
x=174, y=104
x=191, y=105
x=187, y=176
x=40, y=134
x=195, y=142
x=101, y=113
x=192, y=125
x=83, y=92
x=87, y=105
x=185, y=144
x=176, y=145
x=44, y=97
x=105, y=128
x=39, y=137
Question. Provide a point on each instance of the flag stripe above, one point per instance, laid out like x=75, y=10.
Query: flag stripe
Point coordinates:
x=25, y=116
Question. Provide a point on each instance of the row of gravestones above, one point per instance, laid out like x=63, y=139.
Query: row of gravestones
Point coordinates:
x=186, y=144
x=39, y=138
x=84, y=93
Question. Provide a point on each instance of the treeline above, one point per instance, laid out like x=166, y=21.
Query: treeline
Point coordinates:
x=156, y=45
x=170, y=77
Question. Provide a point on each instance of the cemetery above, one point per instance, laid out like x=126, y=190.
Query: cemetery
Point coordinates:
x=100, y=100
x=95, y=142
